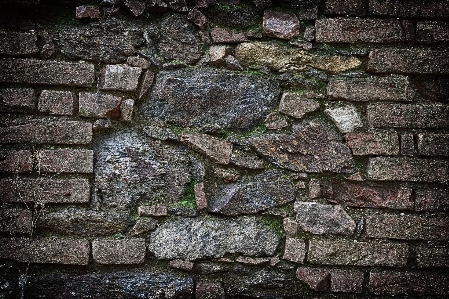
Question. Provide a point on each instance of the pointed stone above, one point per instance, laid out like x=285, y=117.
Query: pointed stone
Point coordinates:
x=215, y=149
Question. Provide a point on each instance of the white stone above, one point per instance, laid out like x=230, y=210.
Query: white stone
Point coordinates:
x=120, y=77
x=345, y=117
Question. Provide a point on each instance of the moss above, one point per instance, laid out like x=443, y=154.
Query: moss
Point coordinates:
x=188, y=200
x=275, y=223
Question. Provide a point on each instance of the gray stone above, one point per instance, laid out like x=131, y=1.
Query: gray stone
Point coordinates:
x=312, y=147
x=232, y=63
x=56, y=102
x=120, y=77
x=296, y=106
x=295, y=250
x=135, y=7
x=160, y=133
x=17, y=99
x=125, y=251
x=210, y=98
x=280, y=24
x=126, y=110
x=246, y=159
x=220, y=35
x=215, y=149
x=275, y=121
x=147, y=81
x=345, y=117
x=197, y=238
x=137, y=61
x=99, y=105
x=144, y=226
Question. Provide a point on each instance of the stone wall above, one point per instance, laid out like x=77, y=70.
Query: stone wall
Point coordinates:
x=224, y=149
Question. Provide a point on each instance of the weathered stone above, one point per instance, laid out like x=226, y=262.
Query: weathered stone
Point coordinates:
x=126, y=110
x=220, y=35
x=312, y=147
x=136, y=61
x=13, y=220
x=89, y=12
x=198, y=98
x=308, y=14
x=413, y=9
x=265, y=190
x=252, y=260
x=321, y=219
x=218, y=53
x=16, y=161
x=427, y=256
x=144, y=226
x=373, y=143
x=182, y=265
x=99, y=105
x=200, y=196
x=126, y=251
x=325, y=280
x=195, y=238
x=120, y=77
x=146, y=83
x=246, y=159
x=136, y=7
x=132, y=169
x=110, y=285
x=432, y=31
x=280, y=24
x=56, y=102
x=408, y=169
x=275, y=121
x=204, y=3
x=391, y=88
x=346, y=117
x=33, y=71
x=295, y=250
x=355, y=253
x=82, y=222
x=346, y=7
x=232, y=63
x=160, y=133
x=18, y=43
x=17, y=99
x=407, y=144
x=228, y=175
x=297, y=106
x=335, y=64
x=433, y=144
x=302, y=44
x=209, y=290
x=102, y=123
x=365, y=196
x=432, y=200
x=314, y=188
x=65, y=160
x=290, y=227
x=198, y=18
x=215, y=149
x=155, y=211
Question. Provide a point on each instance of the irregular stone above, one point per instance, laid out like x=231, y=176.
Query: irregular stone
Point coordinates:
x=182, y=265
x=160, y=133
x=87, y=12
x=16, y=161
x=155, y=211
x=198, y=98
x=346, y=7
x=13, y=220
x=102, y=123
x=317, y=279
x=302, y=44
x=126, y=251
x=144, y=226
x=252, y=261
x=413, y=9
x=136, y=7
x=120, y=77
x=296, y=106
x=56, y=102
x=99, y=105
x=196, y=238
x=126, y=110
x=373, y=143
x=215, y=149
x=345, y=117
x=427, y=257
x=433, y=144
x=254, y=34
x=312, y=147
x=146, y=83
x=139, y=62
x=314, y=188
x=109, y=285
x=432, y=31
x=17, y=99
x=290, y=227
x=198, y=18
x=265, y=190
x=228, y=175
x=209, y=290
x=220, y=35
x=321, y=219
x=432, y=200
x=324, y=280
x=232, y=63
x=218, y=53
x=280, y=24
x=275, y=121
x=200, y=196
x=18, y=43
x=245, y=159
x=295, y=250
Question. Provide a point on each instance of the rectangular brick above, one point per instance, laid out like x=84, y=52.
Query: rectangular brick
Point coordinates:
x=417, y=60
x=424, y=116
x=16, y=161
x=18, y=43
x=432, y=256
x=120, y=77
x=16, y=220
x=432, y=200
x=126, y=251
x=408, y=283
x=414, y=9
x=390, y=88
x=65, y=161
x=17, y=100
x=373, y=143
x=354, y=253
x=46, y=251
x=346, y=7
x=33, y=71
x=46, y=131
x=44, y=190
x=408, y=169
x=330, y=280
x=358, y=31
x=433, y=144
x=407, y=227
x=99, y=105
x=365, y=196
x=56, y=102
x=432, y=31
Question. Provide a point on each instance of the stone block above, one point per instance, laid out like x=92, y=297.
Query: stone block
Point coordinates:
x=120, y=77
x=16, y=220
x=280, y=24
x=383, y=143
x=432, y=31
x=432, y=200
x=18, y=43
x=87, y=12
x=346, y=117
x=432, y=256
x=411, y=9
x=224, y=36
x=136, y=61
x=330, y=280
x=215, y=149
x=290, y=227
x=209, y=290
x=152, y=211
x=99, y=105
x=407, y=144
x=16, y=161
x=56, y=102
x=296, y=106
x=346, y=7
x=125, y=251
x=147, y=81
x=65, y=161
x=433, y=144
x=17, y=100
x=295, y=250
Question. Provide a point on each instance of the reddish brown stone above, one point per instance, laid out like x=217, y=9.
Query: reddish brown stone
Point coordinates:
x=135, y=7
x=220, y=35
x=295, y=250
x=14, y=220
x=152, y=211
x=17, y=100
x=408, y=283
x=358, y=31
x=87, y=12
x=217, y=150
x=275, y=121
x=126, y=251
x=18, y=43
x=432, y=256
x=209, y=290
x=433, y=144
x=407, y=227
x=198, y=18
x=373, y=143
x=317, y=279
x=414, y=9
x=182, y=265
x=56, y=102
x=296, y=106
x=16, y=161
x=325, y=280
x=346, y=7
x=65, y=161
x=200, y=196
x=432, y=200
x=432, y=31
x=364, y=196
x=407, y=144
x=280, y=24
x=99, y=105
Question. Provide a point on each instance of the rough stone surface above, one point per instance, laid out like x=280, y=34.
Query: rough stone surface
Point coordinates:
x=432, y=200
x=399, y=8
x=245, y=158
x=407, y=145
x=135, y=7
x=433, y=144
x=18, y=43
x=192, y=239
x=126, y=110
x=120, y=77
x=15, y=220
x=56, y=102
x=365, y=196
x=427, y=257
x=220, y=35
x=354, y=253
x=432, y=31
x=16, y=161
x=322, y=219
x=200, y=196
x=155, y=211
x=127, y=251
x=311, y=148
x=346, y=7
x=65, y=161
x=144, y=227
x=160, y=133
x=209, y=290
x=182, y=265
x=215, y=149
x=373, y=143
x=87, y=12
x=139, y=62
x=209, y=98
x=346, y=117
x=198, y=18
x=251, y=195
x=295, y=250
x=218, y=53
x=99, y=105
x=324, y=280
x=290, y=227
x=147, y=82
x=296, y=106
x=17, y=99
x=280, y=24
x=275, y=121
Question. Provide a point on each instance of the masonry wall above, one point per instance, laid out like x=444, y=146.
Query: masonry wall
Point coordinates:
x=224, y=149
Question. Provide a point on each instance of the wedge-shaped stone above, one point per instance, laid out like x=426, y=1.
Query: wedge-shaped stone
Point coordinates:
x=296, y=106
x=215, y=149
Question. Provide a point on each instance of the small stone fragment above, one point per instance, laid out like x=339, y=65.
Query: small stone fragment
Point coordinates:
x=160, y=133
x=102, y=123
x=309, y=33
x=228, y=175
x=217, y=150
x=218, y=53
x=99, y=105
x=275, y=121
x=232, y=63
x=135, y=7
x=126, y=110
x=89, y=11
x=280, y=25
x=345, y=117
x=144, y=226
x=147, y=82
x=209, y=290
x=290, y=227
x=252, y=261
x=314, y=188
x=220, y=35
x=246, y=159
x=136, y=61
x=295, y=250
x=182, y=265
x=155, y=211
x=120, y=77
x=198, y=18
x=200, y=196
x=296, y=106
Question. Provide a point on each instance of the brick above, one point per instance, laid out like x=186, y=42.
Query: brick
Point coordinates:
x=152, y=211
x=18, y=43
x=325, y=280
x=408, y=169
x=408, y=283
x=56, y=102
x=215, y=149
x=413, y=9
x=65, y=161
x=407, y=144
x=414, y=60
x=373, y=143
x=355, y=253
x=432, y=200
x=126, y=251
x=433, y=144
x=33, y=71
x=373, y=88
x=220, y=35
x=44, y=190
x=87, y=12
x=407, y=227
x=16, y=161
x=200, y=196
x=295, y=250
x=99, y=105
x=432, y=31
x=424, y=116
x=47, y=251
x=17, y=100
x=209, y=290
x=296, y=106
x=364, y=196
x=346, y=7
x=182, y=265
x=358, y=31
x=46, y=131
x=280, y=24
x=429, y=257
x=120, y=77
x=15, y=220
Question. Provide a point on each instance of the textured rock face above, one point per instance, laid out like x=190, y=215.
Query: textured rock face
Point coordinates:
x=209, y=98
x=280, y=25
x=192, y=239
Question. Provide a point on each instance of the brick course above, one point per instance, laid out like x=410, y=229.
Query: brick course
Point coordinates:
x=126, y=251
x=65, y=161
x=15, y=220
